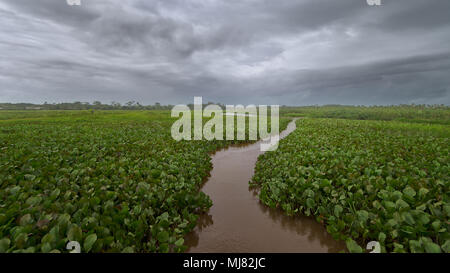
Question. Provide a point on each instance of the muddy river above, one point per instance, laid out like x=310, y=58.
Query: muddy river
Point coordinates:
x=238, y=222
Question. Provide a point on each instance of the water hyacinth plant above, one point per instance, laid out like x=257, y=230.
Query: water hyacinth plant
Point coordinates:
x=365, y=180
x=114, y=181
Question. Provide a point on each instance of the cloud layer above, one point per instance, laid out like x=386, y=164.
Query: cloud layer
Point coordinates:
x=230, y=51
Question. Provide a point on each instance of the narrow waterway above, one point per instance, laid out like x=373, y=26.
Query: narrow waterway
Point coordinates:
x=239, y=222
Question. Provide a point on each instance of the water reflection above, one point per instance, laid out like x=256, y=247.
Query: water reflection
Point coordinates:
x=204, y=220
x=301, y=225
x=239, y=222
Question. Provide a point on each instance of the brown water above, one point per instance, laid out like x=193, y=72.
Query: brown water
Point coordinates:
x=239, y=222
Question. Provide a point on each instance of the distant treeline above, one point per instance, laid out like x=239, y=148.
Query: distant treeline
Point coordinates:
x=133, y=105
x=438, y=114
x=96, y=105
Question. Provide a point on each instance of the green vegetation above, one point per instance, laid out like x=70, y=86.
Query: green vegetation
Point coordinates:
x=386, y=181
x=115, y=181
x=96, y=105
x=438, y=114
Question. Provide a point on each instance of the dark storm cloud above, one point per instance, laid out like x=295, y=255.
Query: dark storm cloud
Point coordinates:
x=234, y=51
x=55, y=10
x=401, y=80
x=415, y=15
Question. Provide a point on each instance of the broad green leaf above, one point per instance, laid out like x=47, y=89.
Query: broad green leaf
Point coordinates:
x=353, y=247
x=179, y=242
x=163, y=236
x=74, y=233
x=446, y=246
x=431, y=247
x=89, y=242
x=4, y=245
x=410, y=192
x=338, y=210
x=128, y=250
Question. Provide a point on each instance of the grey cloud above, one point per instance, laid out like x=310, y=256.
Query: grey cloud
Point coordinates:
x=246, y=51
x=414, y=15
x=55, y=10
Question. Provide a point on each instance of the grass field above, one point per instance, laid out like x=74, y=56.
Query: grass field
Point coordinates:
x=408, y=113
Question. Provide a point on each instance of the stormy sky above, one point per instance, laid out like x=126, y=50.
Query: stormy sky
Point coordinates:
x=297, y=52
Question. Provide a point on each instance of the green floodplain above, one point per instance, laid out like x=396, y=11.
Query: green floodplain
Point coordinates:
x=116, y=181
